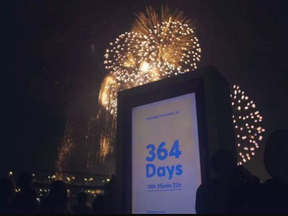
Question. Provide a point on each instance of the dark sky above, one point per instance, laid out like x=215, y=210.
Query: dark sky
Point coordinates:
x=55, y=65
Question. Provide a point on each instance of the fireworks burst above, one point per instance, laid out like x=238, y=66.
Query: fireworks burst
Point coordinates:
x=156, y=48
x=64, y=152
x=167, y=43
x=159, y=47
x=247, y=122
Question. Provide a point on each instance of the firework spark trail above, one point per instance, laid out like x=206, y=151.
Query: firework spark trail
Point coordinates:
x=105, y=122
x=107, y=133
x=64, y=152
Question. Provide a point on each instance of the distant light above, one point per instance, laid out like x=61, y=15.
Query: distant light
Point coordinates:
x=108, y=180
x=10, y=173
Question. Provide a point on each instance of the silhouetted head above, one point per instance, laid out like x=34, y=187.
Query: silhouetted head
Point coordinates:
x=222, y=163
x=58, y=190
x=82, y=198
x=275, y=155
x=7, y=190
x=25, y=180
x=57, y=200
x=98, y=205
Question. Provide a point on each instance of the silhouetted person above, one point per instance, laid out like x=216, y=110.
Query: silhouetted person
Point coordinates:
x=81, y=207
x=221, y=194
x=7, y=192
x=57, y=200
x=98, y=205
x=247, y=186
x=109, y=195
x=26, y=199
x=273, y=196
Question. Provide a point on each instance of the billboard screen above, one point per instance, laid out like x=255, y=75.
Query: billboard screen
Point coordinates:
x=165, y=156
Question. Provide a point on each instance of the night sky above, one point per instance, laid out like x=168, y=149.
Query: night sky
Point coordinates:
x=55, y=65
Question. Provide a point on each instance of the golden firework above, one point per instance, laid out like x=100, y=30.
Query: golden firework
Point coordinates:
x=168, y=42
x=247, y=123
x=64, y=152
x=157, y=47
x=108, y=94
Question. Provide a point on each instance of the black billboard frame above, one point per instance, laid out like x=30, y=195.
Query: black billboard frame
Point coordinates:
x=208, y=85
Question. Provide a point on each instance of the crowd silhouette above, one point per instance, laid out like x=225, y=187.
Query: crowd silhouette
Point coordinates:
x=7, y=192
x=81, y=207
x=57, y=202
x=233, y=190
x=26, y=198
